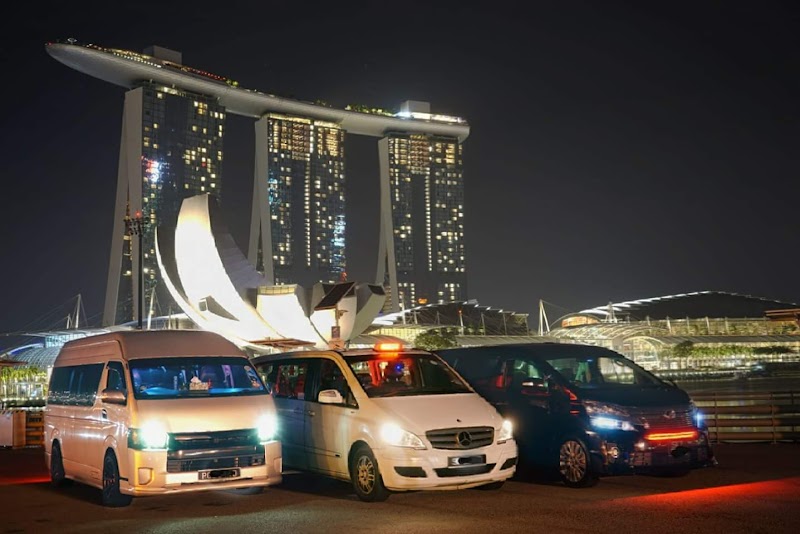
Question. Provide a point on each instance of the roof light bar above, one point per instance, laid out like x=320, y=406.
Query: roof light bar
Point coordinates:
x=387, y=346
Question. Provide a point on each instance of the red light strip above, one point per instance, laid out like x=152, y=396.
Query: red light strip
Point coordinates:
x=672, y=436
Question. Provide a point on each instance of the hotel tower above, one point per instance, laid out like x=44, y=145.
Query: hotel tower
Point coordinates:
x=172, y=148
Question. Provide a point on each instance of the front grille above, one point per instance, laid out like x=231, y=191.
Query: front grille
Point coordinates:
x=178, y=465
x=461, y=438
x=213, y=440
x=656, y=418
x=195, y=451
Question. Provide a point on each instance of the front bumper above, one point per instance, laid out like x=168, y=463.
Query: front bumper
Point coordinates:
x=432, y=469
x=148, y=474
x=619, y=454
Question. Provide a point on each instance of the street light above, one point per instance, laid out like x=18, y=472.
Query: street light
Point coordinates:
x=135, y=226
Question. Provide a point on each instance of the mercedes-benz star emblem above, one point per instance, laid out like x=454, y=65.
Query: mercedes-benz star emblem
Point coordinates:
x=669, y=414
x=464, y=439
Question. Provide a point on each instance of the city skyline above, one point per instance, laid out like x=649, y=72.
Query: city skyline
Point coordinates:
x=617, y=153
x=171, y=148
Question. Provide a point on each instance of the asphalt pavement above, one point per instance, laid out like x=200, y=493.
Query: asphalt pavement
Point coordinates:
x=755, y=488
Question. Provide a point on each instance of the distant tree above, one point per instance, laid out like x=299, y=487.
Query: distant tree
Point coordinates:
x=435, y=339
x=683, y=349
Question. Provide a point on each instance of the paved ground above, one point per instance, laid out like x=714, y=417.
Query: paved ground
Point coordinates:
x=756, y=488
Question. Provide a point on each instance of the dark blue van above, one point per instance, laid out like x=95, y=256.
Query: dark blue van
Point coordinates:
x=585, y=411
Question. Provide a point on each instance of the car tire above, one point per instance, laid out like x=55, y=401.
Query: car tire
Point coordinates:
x=110, y=493
x=574, y=463
x=58, y=476
x=492, y=486
x=366, y=476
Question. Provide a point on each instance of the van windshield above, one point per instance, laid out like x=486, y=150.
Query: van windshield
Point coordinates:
x=591, y=371
x=194, y=376
x=384, y=375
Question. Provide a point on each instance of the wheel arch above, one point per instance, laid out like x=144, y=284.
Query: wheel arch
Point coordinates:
x=356, y=444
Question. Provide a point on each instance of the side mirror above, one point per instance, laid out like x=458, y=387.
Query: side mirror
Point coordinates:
x=113, y=396
x=330, y=396
x=535, y=387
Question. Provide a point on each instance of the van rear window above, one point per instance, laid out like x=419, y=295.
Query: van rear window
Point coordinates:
x=187, y=377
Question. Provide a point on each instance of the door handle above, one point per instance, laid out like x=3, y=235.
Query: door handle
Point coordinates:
x=104, y=413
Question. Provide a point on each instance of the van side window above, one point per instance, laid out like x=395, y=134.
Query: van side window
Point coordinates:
x=58, y=391
x=483, y=371
x=332, y=377
x=75, y=385
x=88, y=383
x=115, y=378
x=568, y=367
x=522, y=370
x=290, y=380
x=527, y=374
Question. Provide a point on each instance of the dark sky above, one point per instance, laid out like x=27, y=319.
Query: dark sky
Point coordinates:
x=619, y=150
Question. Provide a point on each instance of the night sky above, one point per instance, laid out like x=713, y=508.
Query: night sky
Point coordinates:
x=618, y=150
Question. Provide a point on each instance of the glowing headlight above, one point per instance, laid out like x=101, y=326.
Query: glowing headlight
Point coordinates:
x=267, y=428
x=697, y=415
x=609, y=423
x=392, y=434
x=506, y=431
x=152, y=436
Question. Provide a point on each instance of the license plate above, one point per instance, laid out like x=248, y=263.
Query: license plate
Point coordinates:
x=455, y=461
x=215, y=474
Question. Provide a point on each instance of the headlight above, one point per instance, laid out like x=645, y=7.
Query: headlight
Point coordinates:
x=151, y=437
x=697, y=415
x=607, y=416
x=604, y=408
x=392, y=434
x=610, y=423
x=506, y=431
x=267, y=428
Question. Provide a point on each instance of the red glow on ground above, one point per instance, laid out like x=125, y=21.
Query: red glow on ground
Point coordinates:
x=32, y=479
x=786, y=489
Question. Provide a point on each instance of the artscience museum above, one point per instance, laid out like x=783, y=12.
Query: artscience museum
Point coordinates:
x=219, y=289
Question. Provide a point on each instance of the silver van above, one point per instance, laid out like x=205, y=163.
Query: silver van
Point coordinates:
x=138, y=413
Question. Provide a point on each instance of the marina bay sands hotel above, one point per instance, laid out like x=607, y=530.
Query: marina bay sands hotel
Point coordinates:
x=171, y=148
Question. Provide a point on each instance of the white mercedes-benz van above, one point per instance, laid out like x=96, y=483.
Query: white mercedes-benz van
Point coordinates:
x=386, y=419
x=138, y=413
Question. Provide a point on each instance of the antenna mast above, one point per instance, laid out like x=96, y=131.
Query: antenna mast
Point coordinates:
x=544, y=323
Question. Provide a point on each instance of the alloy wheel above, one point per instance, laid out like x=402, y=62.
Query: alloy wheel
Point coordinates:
x=573, y=463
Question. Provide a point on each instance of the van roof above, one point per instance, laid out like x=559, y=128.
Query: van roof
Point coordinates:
x=137, y=344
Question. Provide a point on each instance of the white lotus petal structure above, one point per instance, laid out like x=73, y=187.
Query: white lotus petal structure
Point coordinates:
x=215, y=285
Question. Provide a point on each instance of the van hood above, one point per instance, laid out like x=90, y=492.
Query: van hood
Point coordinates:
x=635, y=396
x=419, y=414
x=205, y=414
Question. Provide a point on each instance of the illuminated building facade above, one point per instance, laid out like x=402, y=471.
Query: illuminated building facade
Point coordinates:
x=422, y=224
x=298, y=189
x=171, y=149
x=304, y=200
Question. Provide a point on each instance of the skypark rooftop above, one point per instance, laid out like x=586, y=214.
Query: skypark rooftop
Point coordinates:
x=127, y=69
